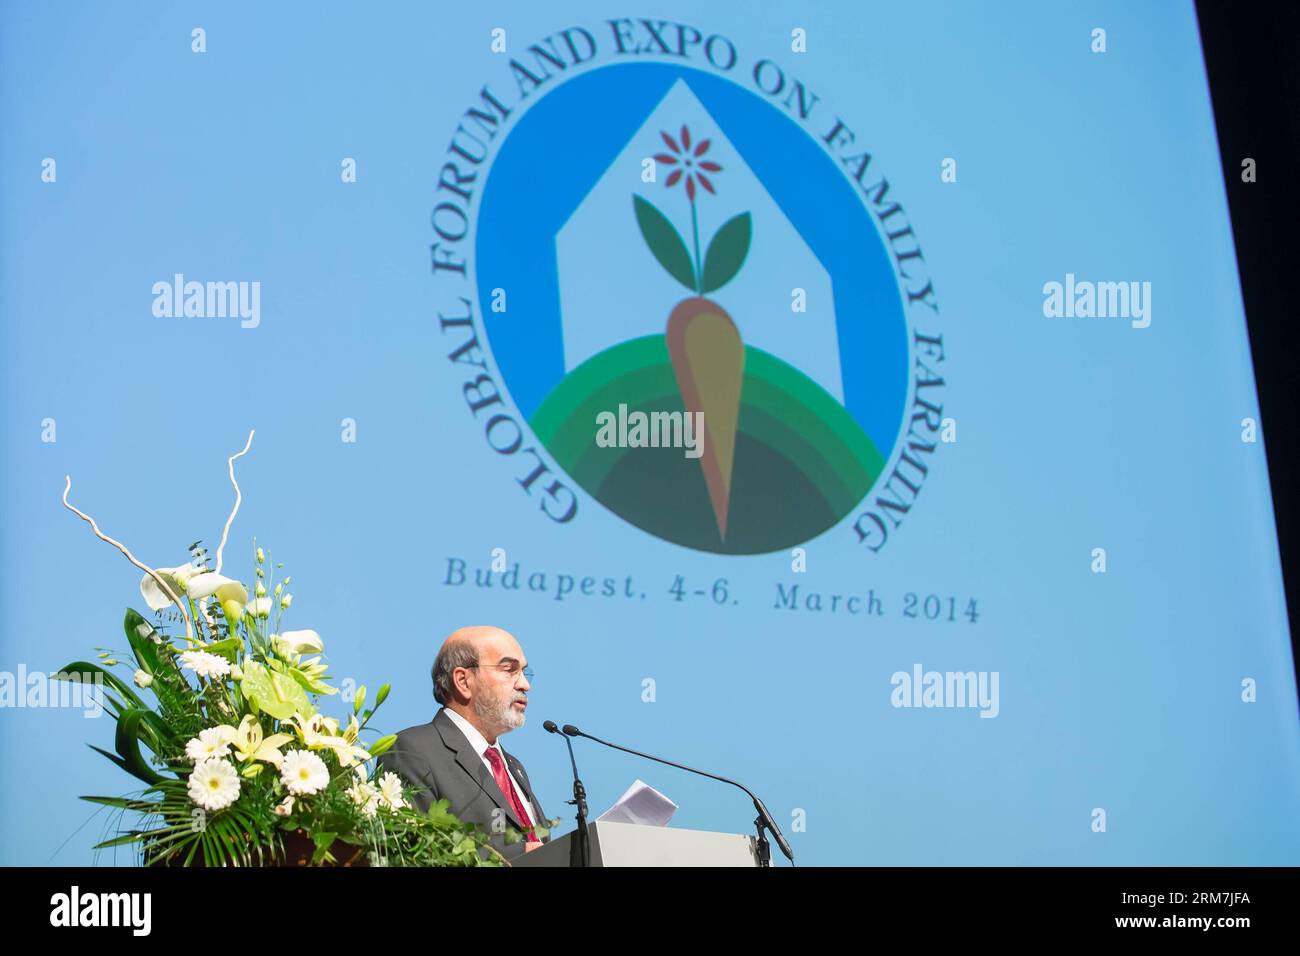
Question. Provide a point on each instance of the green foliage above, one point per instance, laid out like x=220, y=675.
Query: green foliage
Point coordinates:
x=272, y=693
x=411, y=838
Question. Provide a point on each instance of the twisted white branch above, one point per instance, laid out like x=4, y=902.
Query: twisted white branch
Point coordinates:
x=238, y=497
x=189, y=628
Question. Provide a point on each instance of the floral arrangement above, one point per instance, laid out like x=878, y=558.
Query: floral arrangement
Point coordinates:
x=244, y=768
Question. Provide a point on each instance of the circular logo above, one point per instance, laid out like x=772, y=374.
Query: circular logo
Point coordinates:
x=690, y=302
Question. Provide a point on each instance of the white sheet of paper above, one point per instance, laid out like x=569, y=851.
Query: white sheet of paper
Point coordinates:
x=641, y=804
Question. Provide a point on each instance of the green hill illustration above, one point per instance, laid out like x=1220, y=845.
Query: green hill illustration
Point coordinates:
x=800, y=462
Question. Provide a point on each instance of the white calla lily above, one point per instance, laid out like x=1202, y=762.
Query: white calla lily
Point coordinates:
x=210, y=583
x=176, y=578
x=299, y=642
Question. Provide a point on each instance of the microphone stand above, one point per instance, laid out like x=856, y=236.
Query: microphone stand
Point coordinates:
x=763, y=821
x=580, y=844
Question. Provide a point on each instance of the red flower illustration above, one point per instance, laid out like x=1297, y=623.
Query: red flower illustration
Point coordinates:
x=690, y=165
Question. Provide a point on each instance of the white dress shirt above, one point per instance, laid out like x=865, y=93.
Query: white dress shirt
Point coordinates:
x=481, y=746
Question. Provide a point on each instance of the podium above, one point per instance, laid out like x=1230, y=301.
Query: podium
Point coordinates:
x=630, y=844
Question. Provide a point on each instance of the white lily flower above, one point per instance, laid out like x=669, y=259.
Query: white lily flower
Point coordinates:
x=309, y=728
x=251, y=745
x=319, y=732
x=347, y=754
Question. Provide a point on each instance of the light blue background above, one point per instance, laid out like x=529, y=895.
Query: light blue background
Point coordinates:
x=1118, y=691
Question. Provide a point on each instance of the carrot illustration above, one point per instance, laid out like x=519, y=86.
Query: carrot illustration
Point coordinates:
x=708, y=363
x=707, y=352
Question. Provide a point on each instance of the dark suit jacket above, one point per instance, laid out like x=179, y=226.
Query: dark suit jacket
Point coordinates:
x=437, y=759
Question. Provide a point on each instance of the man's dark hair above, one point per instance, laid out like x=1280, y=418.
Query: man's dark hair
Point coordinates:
x=452, y=655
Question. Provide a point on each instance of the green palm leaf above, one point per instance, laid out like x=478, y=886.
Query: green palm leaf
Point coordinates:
x=129, y=731
x=111, y=756
x=123, y=840
x=140, y=633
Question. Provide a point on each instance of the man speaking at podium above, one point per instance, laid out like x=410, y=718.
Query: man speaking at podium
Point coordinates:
x=481, y=679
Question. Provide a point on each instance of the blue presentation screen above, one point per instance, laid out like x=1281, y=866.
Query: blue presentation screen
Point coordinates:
x=787, y=378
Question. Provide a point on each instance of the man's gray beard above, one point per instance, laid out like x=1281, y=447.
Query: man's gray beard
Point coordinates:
x=501, y=716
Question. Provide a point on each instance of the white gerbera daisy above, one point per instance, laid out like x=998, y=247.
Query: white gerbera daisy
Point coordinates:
x=390, y=791
x=210, y=743
x=205, y=664
x=303, y=772
x=214, y=784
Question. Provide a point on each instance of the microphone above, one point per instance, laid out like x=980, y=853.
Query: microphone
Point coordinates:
x=580, y=845
x=764, y=817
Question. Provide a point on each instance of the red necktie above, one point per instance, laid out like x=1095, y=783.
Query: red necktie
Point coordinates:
x=503, y=781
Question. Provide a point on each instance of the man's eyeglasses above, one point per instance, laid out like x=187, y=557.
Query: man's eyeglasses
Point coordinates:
x=507, y=666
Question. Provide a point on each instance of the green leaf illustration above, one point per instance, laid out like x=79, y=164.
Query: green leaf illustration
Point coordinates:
x=727, y=252
x=664, y=242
